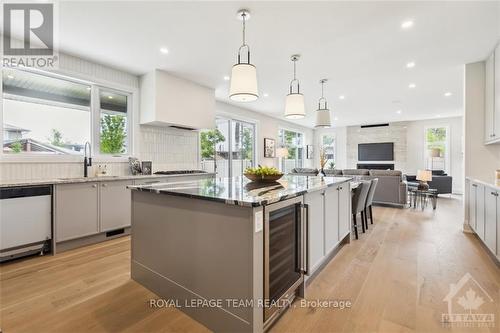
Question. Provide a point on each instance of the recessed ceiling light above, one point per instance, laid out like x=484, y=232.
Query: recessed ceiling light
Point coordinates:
x=407, y=24
x=447, y=94
x=110, y=97
x=164, y=50
x=412, y=85
x=411, y=64
x=399, y=111
x=88, y=88
x=226, y=78
x=336, y=118
x=341, y=97
x=266, y=95
x=10, y=76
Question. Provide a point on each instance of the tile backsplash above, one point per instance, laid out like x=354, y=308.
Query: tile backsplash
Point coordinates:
x=168, y=148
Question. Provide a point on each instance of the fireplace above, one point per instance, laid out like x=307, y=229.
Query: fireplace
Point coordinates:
x=375, y=166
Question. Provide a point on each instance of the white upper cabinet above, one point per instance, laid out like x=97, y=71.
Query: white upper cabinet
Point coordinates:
x=489, y=100
x=167, y=100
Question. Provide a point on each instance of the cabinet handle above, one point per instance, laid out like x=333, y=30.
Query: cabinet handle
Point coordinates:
x=474, y=185
x=494, y=193
x=94, y=185
x=104, y=185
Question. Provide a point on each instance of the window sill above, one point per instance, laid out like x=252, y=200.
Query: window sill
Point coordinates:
x=28, y=158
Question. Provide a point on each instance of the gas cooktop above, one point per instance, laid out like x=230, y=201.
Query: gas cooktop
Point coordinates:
x=178, y=172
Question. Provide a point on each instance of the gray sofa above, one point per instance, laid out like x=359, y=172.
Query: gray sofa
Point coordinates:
x=440, y=181
x=391, y=189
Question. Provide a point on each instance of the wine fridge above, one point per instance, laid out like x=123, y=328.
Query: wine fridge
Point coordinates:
x=285, y=253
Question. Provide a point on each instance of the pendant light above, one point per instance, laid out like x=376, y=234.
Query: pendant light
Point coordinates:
x=243, y=75
x=323, y=114
x=294, y=102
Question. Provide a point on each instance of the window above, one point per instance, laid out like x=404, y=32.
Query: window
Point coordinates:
x=113, y=126
x=229, y=148
x=436, y=148
x=294, y=142
x=45, y=114
x=328, y=145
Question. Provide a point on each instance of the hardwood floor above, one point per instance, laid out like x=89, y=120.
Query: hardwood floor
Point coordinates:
x=396, y=276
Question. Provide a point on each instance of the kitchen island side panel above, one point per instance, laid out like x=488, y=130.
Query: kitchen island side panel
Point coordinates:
x=185, y=249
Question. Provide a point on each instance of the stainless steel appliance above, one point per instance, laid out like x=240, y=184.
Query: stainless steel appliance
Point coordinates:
x=285, y=255
x=26, y=215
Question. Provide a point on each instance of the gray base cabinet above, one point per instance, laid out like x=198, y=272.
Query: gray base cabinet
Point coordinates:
x=484, y=214
x=329, y=222
x=114, y=205
x=331, y=219
x=76, y=210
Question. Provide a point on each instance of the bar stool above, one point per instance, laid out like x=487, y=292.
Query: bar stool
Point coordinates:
x=358, y=204
x=369, y=201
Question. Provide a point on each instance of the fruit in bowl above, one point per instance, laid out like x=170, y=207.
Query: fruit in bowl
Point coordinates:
x=263, y=174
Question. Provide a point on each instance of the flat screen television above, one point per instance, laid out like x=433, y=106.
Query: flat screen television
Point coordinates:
x=376, y=151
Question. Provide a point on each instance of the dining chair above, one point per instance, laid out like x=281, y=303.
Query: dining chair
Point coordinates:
x=369, y=202
x=359, y=196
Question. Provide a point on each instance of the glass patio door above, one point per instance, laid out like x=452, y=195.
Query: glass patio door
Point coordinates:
x=228, y=149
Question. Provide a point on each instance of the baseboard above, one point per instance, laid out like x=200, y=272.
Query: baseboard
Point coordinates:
x=79, y=242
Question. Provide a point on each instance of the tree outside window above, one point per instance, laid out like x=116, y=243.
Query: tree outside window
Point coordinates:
x=436, y=148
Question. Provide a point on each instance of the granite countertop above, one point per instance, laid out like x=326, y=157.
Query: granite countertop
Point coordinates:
x=53, y=181
x=491, y=184
x=240, y=191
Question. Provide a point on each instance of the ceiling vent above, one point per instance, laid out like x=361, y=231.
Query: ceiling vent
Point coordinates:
x=374, y=125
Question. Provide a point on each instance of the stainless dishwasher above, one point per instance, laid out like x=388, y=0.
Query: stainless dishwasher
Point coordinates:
x=25, y=221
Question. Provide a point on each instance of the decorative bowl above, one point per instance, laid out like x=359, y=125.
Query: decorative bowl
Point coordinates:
x=263, y=179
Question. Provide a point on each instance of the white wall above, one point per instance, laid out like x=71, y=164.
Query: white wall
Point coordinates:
x=267, y=127
x=416, y=154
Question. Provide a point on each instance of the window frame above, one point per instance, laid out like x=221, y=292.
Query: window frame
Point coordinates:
x=303, y=146
x=334, y=145
x=95, y=85
x=230, y=120
x=447, y=165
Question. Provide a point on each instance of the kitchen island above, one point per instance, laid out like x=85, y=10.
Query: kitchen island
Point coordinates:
x=232, y=254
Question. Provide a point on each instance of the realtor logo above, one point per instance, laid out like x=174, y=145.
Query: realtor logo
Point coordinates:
x=469, y=305
x=28, y=38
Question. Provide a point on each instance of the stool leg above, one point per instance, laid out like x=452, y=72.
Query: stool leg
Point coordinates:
x=366, y=218
x=371, y=214
x=362, y=222
x=355, y=224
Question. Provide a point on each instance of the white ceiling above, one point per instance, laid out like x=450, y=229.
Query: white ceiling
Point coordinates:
x=359, y=46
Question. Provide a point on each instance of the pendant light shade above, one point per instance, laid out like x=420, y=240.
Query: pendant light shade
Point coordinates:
x=294, y=106
x=243, y=83
x=294, y=102
x=323, y=113
x=243, y=75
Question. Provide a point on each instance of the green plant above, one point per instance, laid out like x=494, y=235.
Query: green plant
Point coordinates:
x=246, y=144
x=16, y=146
x=113, y=134
x=331, y=165
x=56, y=138
x=209, y=139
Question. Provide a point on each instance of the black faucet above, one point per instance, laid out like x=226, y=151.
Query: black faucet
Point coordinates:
x=87, y=161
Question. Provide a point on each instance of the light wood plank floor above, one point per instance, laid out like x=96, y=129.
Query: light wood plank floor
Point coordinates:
x=396, y=275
